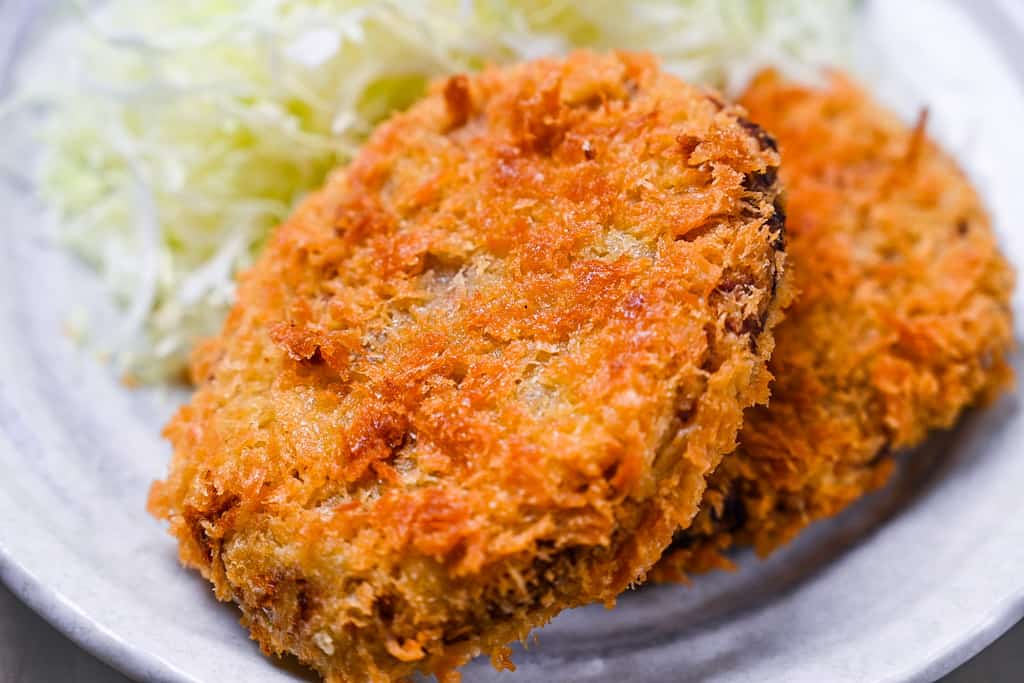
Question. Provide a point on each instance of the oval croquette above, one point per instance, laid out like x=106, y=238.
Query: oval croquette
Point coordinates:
x=481, y=375
x=901, y=319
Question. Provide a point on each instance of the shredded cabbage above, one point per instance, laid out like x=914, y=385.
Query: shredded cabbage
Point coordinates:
x=179, y=133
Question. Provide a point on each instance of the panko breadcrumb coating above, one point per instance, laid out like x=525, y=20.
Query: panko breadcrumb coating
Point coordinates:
x=481, y=375
x=902, y=319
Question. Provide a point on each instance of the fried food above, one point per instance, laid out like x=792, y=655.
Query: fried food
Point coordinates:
x=481, y=375
x=901, y=320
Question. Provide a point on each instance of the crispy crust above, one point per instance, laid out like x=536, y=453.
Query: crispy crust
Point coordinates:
x=902, y=319
x=481, y=375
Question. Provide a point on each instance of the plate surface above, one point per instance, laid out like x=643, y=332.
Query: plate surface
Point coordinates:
x=903, y=587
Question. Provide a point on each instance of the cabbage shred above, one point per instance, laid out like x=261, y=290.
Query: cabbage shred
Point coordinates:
x=184, y=131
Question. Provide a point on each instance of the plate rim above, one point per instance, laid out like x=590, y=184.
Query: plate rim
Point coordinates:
x=138, y=663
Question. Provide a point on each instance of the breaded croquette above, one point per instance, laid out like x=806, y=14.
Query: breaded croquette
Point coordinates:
x=481, y=375
x=901, y=320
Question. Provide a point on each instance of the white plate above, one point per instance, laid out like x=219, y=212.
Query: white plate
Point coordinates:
x=903, y=587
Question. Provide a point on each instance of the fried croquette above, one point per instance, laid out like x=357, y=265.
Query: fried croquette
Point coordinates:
x=481, y=375
x=902, y=319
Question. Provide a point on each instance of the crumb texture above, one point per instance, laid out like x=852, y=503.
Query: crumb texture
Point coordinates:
x=902, y=318
x=482, y=374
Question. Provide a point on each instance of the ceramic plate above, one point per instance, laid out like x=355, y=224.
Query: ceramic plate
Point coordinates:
x=903, y=587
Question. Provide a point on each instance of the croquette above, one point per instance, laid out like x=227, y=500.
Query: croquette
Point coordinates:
x=901, y=319
x=481, y=375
